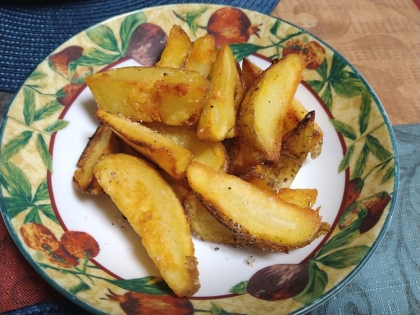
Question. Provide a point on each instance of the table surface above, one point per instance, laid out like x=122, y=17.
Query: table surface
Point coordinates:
x=380, y=38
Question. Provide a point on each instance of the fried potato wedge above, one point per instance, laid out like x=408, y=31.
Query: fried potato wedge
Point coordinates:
x=171, y=157
x=176, y=49
x=169, y=95
x=250, y=72
x=206, y=227
x=209, y=153
x=219, y=113
x=243, y=158
x=201, y=55
x=155, y=213
x=266, y=104
x=102, y=142
x=295, y=149
x=296, y=113
x=256, y=214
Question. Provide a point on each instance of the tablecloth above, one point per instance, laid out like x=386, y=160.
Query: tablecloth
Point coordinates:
x=389, y=283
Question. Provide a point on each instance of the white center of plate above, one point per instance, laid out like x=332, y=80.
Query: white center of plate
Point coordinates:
x=221, y=267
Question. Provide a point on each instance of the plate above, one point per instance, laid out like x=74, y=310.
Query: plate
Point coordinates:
x=50, y=120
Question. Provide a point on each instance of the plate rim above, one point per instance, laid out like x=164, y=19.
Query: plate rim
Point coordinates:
x=305, y=308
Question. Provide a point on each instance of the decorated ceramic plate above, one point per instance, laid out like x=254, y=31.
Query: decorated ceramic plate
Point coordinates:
x=85, y=247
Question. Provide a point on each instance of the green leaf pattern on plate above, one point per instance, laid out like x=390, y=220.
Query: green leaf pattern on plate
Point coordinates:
x=333, y=80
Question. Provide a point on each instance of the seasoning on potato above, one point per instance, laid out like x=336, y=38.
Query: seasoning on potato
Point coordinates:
x=206, y=148
x=156, y=214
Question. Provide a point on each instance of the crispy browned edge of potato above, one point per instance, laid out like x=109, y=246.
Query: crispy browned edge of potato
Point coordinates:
x=206, y=227
x=103, y=141
x=250, y=72
x=295, y=149
x=171, y=157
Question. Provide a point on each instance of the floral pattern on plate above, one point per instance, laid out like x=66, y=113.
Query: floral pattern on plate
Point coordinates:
x=67, y=258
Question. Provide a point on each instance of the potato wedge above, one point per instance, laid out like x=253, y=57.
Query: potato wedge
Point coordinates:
x=260, y=216
x=201, y=55
x=209, y=153
x=243, y=158
x=169, y=95
x=295, y=149
x=296, y=113
x=250, y=72
x=266, y=104
x=206, y=227
x=102, y=142
x=176, y=49
x=219, y=113
x=155, y=213
x=171, y=157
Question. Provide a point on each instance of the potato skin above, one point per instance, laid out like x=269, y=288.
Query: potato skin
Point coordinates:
x=103, y=141
x=262, y=217
x=206, y=227
x=171, y=157
x=155, y=213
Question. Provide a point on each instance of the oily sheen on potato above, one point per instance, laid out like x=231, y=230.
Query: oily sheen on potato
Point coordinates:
x=155, y=213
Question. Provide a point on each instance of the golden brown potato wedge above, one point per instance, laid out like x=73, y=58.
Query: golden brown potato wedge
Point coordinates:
x=260, y=216
x=266, y=104
x=212, y=154
x=250, y=72
x=295, y=148
x=219, y=113
x=206, y=227
x=176, y=49
x=155, y=213
x=243, y=158
x=296, y=113
x=102, y=142
x=169, y=95
x=171, y=157
x=201, y=55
